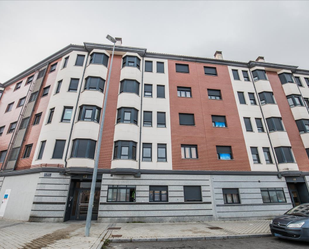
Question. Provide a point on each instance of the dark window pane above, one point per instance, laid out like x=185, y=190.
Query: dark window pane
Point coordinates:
x=248, y=124
x=130, y=86
x=161, y=153
x=58, y=150
x=147, y=119
x=160, y=91
x=147, y=90
x=218, y=121
x=41, y=149
x=192, y=193
x=241, y=97
x=186, y=119
x=210, y=70
x=80, y=60
x=182, y=68
x=235, y=74
x=160, y=67
x=73, y=85
x=214, y=94
x=148, y=66
x=161, y=122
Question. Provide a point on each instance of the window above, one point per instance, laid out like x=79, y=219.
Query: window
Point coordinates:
x=58, y=86
x=2, y=155
x=241, y=97
x=273, y=195
x=210, y=70
x=148, y=66
x=298, y=82
x=274, y=124
x=65, y=63
x=295, y=100
x=73, y=85
x=162, y=157
x=24, y=123
x=53, y=67
x=307, y=150
x=98, y=58
x=83, y=148
x=160, y=67
x=67, y=113
x=125, y=150
x=186, y=119
x=306, y=101
x=267, y=98
x=147, y=119
x=214, y=94
x=184, y=92
x=182, y=68
x=80, y=60
x=41, y=73
x=307, y=81
x=9, y=107
x=131, y=61
x=27, y=151
x=89, y=113
x=246, y=75
x=45, y=91
x=148, y=90
x=37, y=118
x=259, y=75
x=158, y=194
x=224, y=152
x=192, y=193
x=127, y=115
x=286, y=78
x=161, y=121
x=303, y=125
x=255, y=155
x=218, y=121
x=235, y=74
x=284, y=155
x=17, y=86
x=248, y=124
x=252, y=98
x=14, y=154
x=189, y=151
x=30, y=79
x=1, y=93
x=121, y=193
x=51, y=114
x=267, y=155
x=94, y=83
x=231, y=196
x=41, y=149
x=259, y=125
x=160, y=91
x=12, y=127
x=21, y=102
x=33, y=96
x=147, y=152
x=129, y=86
x=1, y=130
x=58, y=150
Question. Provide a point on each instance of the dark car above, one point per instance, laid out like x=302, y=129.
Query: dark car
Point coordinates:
x=294, y=224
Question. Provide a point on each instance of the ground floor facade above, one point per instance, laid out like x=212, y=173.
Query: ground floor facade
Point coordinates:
x=58, y=195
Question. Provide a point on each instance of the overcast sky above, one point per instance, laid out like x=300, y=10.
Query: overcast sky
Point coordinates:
x=278, y=30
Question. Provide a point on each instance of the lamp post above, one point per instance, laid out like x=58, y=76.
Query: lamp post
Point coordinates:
x=97, y=153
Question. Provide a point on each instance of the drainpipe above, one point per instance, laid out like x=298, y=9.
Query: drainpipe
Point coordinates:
x=140, y=122
x=266, y=127
x=76, y=106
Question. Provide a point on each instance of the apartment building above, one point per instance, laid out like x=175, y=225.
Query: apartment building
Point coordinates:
x=184, y=138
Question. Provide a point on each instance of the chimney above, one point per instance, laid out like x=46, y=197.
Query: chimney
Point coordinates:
x=218, y=55
x=118, y=41
x=260, y=59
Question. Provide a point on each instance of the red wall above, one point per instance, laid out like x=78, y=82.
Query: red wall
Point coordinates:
x=203, y=134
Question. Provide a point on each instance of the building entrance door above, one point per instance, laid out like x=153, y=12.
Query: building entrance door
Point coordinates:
x=298, y=190
x=79, y=200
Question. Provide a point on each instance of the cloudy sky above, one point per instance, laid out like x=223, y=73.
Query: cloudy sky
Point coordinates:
x=278, y=30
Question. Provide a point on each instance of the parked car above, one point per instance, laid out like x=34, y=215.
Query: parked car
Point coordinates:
x=294, y=224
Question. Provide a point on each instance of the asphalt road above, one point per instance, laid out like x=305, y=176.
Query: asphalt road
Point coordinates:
x=254, y=243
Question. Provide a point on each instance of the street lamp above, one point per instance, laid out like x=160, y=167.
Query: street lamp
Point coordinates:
x=97, y=153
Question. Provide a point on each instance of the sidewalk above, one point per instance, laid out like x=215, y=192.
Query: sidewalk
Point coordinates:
x=16, y=234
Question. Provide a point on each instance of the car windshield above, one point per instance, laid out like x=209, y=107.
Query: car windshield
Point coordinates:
x=301, y=210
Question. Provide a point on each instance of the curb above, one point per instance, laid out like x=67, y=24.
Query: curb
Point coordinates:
x=126, y=240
